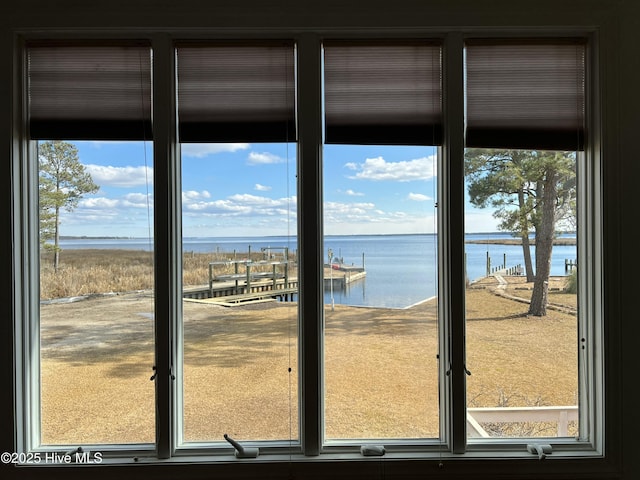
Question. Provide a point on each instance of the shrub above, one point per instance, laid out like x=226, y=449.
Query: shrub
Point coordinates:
x=572, y=282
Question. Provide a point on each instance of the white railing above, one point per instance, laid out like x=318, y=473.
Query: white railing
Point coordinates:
x=560, y=415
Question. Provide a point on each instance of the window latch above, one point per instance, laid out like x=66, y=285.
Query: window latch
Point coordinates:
x=240, y=451
x=538, y=449
x=466, y=371
x=372, y=450
x=155, y=373
x=75, y=454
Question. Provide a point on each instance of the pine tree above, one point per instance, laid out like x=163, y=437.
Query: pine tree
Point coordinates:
x=63, y=180
x=531, y=192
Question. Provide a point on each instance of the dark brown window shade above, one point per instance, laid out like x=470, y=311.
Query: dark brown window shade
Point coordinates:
x=89, y=91
x=385, y=93
x=236, y=92
x=525, y=94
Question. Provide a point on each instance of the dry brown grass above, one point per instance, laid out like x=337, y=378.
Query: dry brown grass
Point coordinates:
x=96, y=271
x=381, y=367
x=92, y=271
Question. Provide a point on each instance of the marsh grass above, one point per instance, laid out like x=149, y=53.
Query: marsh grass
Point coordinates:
x=92, y=271
x=96, y=271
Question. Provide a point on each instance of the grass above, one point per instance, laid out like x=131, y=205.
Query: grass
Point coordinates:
x=381, y=365
x=96, y=271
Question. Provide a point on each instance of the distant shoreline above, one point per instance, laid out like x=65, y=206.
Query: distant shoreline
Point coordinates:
x=518, y=241
x=86, y=237
x=564, y=241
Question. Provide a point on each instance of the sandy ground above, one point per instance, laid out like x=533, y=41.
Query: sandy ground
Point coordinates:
x=381, y=367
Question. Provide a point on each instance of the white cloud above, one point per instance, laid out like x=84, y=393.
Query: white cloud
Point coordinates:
x=192, y=195
x=200, y=150
x=378, y=169
x=120, y=176
x=98, y=203
x=248, y=199
x=262, y=188
x=345, y=212
x=264, y=158
x=366, y=218
x=137, y=200
x=104, y=204
x=353, y=193
x=217, y=207
x=242, y=204
x=418, y=197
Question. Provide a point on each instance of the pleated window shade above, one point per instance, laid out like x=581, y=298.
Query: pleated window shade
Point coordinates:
x=383, y=92
x=89, y=91
x=525, y=94
x=236, y=92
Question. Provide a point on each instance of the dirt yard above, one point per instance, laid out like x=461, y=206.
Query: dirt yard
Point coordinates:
x=381, y=366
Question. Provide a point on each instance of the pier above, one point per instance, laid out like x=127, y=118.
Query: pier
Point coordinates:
x=338, y=275
x=250, y=287
x=226, y=293
x=238, y=282
x=250, y=281
x=502, y=269
x=340, y=278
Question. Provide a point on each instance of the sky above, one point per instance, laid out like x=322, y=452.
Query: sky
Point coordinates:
x=243, y=189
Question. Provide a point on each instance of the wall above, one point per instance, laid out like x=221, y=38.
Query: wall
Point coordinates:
x=619, y=25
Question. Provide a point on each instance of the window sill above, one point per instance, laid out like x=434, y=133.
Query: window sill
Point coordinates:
x=405, y=465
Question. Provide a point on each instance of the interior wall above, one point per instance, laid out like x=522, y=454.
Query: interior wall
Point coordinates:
x=618, y=24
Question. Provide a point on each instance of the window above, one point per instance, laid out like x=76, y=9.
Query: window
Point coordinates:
x=303, y=214
x=236, y=111
x=383, y=126
x=90, y=116
x=524, y=162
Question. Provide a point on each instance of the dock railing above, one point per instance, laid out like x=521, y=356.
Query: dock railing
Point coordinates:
x=252, y=272
x=561, y=415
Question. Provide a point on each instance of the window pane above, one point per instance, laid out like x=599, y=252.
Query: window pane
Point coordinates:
x=96, y=292
x=240, y=279
x=380, y=283
x=521, y=300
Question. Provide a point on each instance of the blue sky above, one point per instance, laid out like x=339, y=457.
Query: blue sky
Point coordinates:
x=250, y=190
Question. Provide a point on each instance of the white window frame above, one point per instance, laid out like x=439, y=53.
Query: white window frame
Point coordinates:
x=454, y=444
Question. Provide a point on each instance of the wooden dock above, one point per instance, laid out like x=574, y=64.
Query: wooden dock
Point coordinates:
x=340, y=278
x=233, y=293
x=263, y=281
x=246, y=298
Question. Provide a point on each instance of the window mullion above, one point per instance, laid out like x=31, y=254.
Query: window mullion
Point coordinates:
x=310, y=242
x=29, y=416
x=451, y=244
x=167, y=232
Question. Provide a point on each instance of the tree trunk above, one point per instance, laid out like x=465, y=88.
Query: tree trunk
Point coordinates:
x=544, y=245
x=528, y=265
x=56, y=242
x=524, y=236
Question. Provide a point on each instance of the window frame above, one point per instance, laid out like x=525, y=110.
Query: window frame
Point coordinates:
x=453, y=443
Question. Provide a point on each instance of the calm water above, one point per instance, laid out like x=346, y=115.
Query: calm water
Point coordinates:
x=401, y=269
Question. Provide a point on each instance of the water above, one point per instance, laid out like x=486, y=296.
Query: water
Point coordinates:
x=401, y=269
